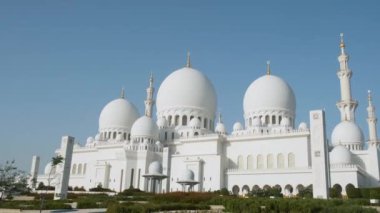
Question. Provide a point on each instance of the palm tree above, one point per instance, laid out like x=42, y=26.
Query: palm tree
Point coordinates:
x=55, y=161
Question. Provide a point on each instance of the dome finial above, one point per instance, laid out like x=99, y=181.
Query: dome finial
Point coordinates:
x=188, y=62
x=268, y=67
x=220, y=118
x=342, y=44
x=369, y=97
x=122, y=94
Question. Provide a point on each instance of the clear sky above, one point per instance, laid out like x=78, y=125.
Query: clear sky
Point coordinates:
x=62, y=61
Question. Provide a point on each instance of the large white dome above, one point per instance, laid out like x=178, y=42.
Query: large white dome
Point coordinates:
x=340, y=155
x=187, y=88
x=347, y=133
x=145, y=127
x=269, y=92
x=118, y=114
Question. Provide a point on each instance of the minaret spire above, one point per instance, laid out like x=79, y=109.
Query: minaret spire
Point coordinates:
x=149, y=102
x=220, y=118
x=188, y=61
x=346, y=105
x=122, y=94
x=371, y=120
x=268, y=67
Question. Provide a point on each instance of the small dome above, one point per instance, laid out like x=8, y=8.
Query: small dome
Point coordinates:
x=340, y=155
x=145, y=127
x=256, y=122
x=117, y=114
x=302, y=126
x=237, y=127
x=162, y=123
x=90, y=140
x=269, y=92
x=155, y=168
x=220, y=128
x=347, y=132
x=187, y=88
x=47, y=169
x=285, y=122
x=187, y=175
x=195, y=123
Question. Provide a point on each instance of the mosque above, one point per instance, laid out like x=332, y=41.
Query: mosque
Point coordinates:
x=187, y=148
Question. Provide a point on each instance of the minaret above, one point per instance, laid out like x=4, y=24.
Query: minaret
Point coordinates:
x=149, y=102
x=372, y=120
x=346, y=105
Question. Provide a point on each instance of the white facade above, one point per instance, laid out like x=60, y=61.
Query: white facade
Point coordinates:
x=196, y=152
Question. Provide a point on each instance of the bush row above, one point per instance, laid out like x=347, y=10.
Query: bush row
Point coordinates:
x=142, y=208
x=34, y=205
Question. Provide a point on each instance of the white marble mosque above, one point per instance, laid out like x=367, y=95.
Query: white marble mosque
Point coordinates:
x=187, y=146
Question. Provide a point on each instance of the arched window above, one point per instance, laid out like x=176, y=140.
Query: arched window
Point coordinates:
x=184, y=120
x=125, y=136
x=280, y=161
x=240, y=162
x=74, y=170
x=129, y=137
x=205, y=123
x=84, y=168
x=114, y=135
x=260, y=163
x=291, y=160
x=172, y=135
x=279, y=119
x=267, y=119
x=170, y=120
x=79, y=169
x=250, y=162
x=270, y=161
x=176, y=120
x=166, y=135
x=273, y=119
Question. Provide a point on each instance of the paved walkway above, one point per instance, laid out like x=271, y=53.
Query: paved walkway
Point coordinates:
x=54, y=211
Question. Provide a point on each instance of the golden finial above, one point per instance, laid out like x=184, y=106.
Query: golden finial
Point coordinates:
x=268, y=67
x=342, y=45
x=188, y=62
x=122, y=94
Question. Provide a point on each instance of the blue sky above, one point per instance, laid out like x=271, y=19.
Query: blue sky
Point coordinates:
x=62, y=61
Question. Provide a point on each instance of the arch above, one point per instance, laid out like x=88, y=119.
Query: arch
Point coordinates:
x=280, y=161
x=84, y=168
x=170, y=120
x=349, y=186
x=114, y=135
x=129, y=136
x=79, y=169
x=125, y=136
x=300, y=187
x=267, y=119
x=205, y=122
x=176, y=120
x=250, y=162
x=235, y=190
x=260, y=163
x=279, y=119
x=196, y=133
x=291, y=160
x=270, y=161
x=288, y=189
x=245, y=190
x=184, y=120
x=172, y=135
x=74, y=170
x=277, y=187
x=256, y=188
x=338, y=187
x=211, y=126
x=266, y=187
x=240, y=162
x=273, y=119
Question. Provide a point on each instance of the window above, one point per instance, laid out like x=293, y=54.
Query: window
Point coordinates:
x=79, y=169
x=170, y=120
x=260, y=163
x=84, y=168
x=176, y=120
x=172, y=135
x=270, y=161
x=273, y=119
x=166, y=135
x=291, y=160
x=205, y=123
x=280, y=161
x=267, y=119
x=249, y=162
x=74, y=170
x=240, y=162
x=114, y=135
x=184, y=120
